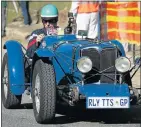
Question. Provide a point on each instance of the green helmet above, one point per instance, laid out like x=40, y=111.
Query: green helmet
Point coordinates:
x=49, y=12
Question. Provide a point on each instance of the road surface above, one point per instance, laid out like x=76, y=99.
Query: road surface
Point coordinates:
x=67, y=117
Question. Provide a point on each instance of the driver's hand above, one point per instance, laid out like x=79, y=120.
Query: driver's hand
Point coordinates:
x=40, y=37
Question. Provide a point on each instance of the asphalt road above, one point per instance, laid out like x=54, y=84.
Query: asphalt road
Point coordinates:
x=68, y=117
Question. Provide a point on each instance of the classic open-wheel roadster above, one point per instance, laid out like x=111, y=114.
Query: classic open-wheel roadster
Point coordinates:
x=66, y=69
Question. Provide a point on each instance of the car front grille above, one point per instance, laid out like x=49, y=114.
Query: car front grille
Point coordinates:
x=103, y=65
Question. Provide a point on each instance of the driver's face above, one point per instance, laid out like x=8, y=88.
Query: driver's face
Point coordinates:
x=48, y=23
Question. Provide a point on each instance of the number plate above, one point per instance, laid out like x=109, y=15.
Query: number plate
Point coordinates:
x=108, y=102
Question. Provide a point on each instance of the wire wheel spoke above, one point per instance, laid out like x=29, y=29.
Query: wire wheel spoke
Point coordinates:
x=5, y=81
x=37, y=92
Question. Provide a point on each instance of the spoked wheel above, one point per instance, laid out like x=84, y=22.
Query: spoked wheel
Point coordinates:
x=37, y=92
x=5, y=81
x=44, y=92
x=8, y=98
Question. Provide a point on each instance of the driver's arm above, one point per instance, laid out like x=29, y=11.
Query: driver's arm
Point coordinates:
x=33, y=42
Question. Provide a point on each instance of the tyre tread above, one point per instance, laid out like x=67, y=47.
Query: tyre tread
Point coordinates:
x=48, y=89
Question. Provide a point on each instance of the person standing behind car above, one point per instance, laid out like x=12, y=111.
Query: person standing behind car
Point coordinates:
x=3, y=18
x=25, y=12
x=86, y=15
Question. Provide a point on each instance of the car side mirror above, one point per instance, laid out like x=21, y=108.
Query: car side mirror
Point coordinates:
x=70, y=14
x=82, y=33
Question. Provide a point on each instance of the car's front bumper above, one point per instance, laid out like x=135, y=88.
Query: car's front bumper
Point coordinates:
x=114, y=95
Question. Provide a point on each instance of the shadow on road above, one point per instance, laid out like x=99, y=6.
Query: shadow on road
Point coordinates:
x=72, y=115
x=131, y=116
x=26, y=106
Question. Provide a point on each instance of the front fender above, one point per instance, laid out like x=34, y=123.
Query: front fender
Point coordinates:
x=119, y=46
x=15, y=67
x=44, y=53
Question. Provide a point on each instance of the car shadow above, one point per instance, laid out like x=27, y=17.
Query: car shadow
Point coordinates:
x=26, y=106
x=132, y=116
x=78, y=114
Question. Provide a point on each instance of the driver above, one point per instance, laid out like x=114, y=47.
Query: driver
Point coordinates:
x=49, y=16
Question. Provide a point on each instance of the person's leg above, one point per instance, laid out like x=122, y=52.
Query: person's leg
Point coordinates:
x=93, y=26
x=30, y=20
x=23, y=5
x=125, y=46
x=3, y=11
x=82, y=22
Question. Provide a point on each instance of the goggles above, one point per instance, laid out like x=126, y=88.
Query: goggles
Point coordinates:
x=49, y=21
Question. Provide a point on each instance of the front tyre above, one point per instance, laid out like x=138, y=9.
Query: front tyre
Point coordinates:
x=8, y=98
x=44, y=91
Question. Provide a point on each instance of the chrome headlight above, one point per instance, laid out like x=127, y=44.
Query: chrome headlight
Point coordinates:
x=122, y=64
x=84, y=64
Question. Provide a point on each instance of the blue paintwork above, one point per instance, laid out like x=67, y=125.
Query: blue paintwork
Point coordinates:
x=50, y=40
x=61, y=57
x=64, y=53
x=44, y=52
x=100, y=90
x=15, y=67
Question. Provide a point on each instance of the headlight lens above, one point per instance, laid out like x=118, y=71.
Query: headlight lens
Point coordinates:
x=122, y=64
x=84, y=64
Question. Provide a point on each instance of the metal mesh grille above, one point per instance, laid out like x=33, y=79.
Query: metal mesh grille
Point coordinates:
x=107, y=62
x=101, y=61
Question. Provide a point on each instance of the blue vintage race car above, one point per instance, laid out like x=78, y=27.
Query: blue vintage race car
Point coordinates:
x=67, y=69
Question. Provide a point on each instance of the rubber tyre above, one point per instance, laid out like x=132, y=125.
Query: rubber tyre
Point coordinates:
x=12, y=101
x=45, y=71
